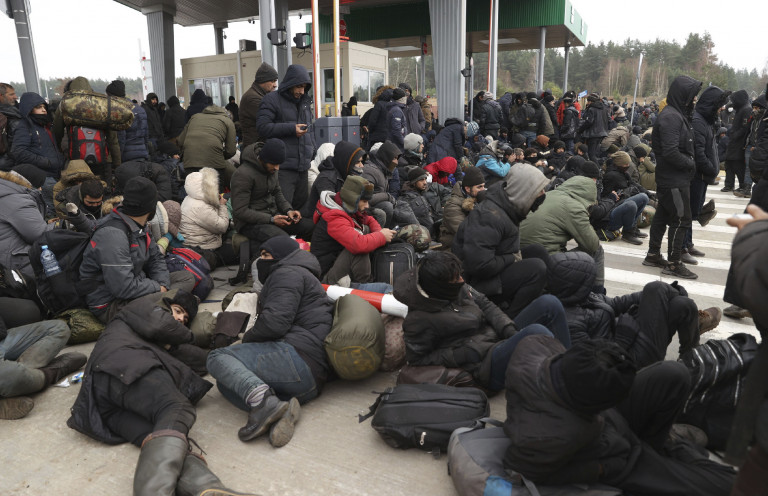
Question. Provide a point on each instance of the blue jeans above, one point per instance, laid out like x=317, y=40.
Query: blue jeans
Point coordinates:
x=530, y=137
x=625, y=216
x=241, y=368
x=544, y=315
x=26, y=349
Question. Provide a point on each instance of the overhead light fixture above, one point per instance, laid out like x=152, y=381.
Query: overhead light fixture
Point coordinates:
x=277, y=36
x=302, y=41
x=503, y=41
x=402, y=48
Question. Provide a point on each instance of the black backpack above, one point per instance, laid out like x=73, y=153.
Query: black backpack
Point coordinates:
x=424, y=415
x=391, y=260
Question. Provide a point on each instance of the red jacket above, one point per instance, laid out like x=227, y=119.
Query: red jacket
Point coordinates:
x=446, y=165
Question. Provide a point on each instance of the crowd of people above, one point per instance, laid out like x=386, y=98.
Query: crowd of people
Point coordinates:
x=509, y=208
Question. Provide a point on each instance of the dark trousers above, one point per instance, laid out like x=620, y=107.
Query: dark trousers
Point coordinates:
x=593, y=145
x=523, y=281
x=295, y=187
x=698, y=195
x=673, y=210
x=759, y=190
x=17, y=312
x=149, y=404
x=357, y=267
x=259, y=233
x=734, y=169
x=657, y=397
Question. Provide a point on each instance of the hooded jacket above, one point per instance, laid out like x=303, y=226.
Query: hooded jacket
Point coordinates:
x=35, y=144
x=333, y=171
x=337, y=230
x=563, y=216
x=22, y=222
x=197, y=102
x=256, y=194
x=124, y=262
x=174, y=118
x=376, y=171
x=293, y=307
x=436, y=330
x=201, y=141
x=377, y=121
x=154, y=121
x=449, y=142
x=13, y=116
x=672, y=138
x=249, y=109
x=152, y=171
x=280, y=112
x=133, y=141
x=397, y=125
x=704, y=144
x=740, y=127
x=595, y=123
x=203, y=218
x=441, y=169
x=131, y=346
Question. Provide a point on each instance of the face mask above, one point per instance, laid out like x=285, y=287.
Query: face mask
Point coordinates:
x=537, y=202
x=446, y=291
x=92, y=210
x=264, y=268
x=151, y=215
x=41, y=119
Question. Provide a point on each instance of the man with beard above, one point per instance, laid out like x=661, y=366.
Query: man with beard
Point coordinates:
x=464, y=197
x=672, y=142
x=426, y=199
x=9, y=115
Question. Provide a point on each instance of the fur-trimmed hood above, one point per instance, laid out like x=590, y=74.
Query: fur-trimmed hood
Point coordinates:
x=15, y=178
x=76, y=172
x=109, y=204
x=204, y=186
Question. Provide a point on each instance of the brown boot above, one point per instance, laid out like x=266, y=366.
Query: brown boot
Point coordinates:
x=15, y=408
x=62, y=366
x=709, y=319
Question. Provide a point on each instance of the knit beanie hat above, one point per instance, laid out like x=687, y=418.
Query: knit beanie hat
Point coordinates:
x=621, y=159
x=355, y=189
x=640, y=151
x=611, y=150
x=472, y=177
x=168, y=148
x=398, y=94
x=35, y=175
x=173, y=210
x=139, y=197
x=583, y=148
x=593, y=375
x=116, y=88
x=406, y=87
x=548, y=98
x=265, y=73
x=542, y=140
x=593, y=97
x=412, y=142
x=416, y=174
x=273, y=152
x=185, y=300
x=558, y=144
x=531, y=96
x=637, y=130
x=280, y=246
x=522, y=184
x=590, y=169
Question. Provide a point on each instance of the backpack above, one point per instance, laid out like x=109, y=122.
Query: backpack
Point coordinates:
x=194, y=263
x=89, y=144
x=424, y=415
x=717, y=370
x=391, y=260
x=475, y=464
x=355, y=345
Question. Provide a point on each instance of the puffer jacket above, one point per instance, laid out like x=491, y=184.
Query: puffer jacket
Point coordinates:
x=173, y=120
x=337, y=230
x=672, y=138
x=570, y=123
x=377, y=120
x=249, y=109
x=154, y=120
x=397, y=125
x=759, y=159
x=131, y=346
x=449, y=142
x=456, y=209
x=293, y=307
x=280, y=112
x=14, y=116
x=435, y=330
x=22, y=222
x=541, y=116
x=124, y=262
x=491, y=118
x=333, y=171
x=203, y=218
x=421, y=206
x=35, y=144
x=647, y=170
x=414, y=116
x=201, y=141
x=704, y=145
x=595, y=124
x=739, y=130
x=256, y=194
x=379, y=175
x=133, y=141
x=152, y=171
x=563, y=216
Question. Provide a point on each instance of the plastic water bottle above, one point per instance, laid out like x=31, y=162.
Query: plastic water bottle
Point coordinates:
x=50, y=264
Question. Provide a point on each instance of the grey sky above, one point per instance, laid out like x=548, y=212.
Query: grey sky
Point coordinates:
x=105, y=43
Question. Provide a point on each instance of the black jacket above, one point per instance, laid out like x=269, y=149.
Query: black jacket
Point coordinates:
x=704, y=129
x=131, y=346
x=759, y=158
x=174, y=119
x=197, y=103
x=14, y=116
x=144, y=168
x=672, y=138
x=154, y=121
x=449, y=142
x=490, y=118
x=595, y=123
x=333, y=172
x=740, y=127
x=293, y=307
x=434, y=330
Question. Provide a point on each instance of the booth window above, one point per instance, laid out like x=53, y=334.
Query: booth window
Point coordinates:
x=365, y=82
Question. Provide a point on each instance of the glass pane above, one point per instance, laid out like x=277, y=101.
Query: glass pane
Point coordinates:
x=360, y=87
x=328, y=85
x=227, y=84
x=376, y=80
x=212, y=90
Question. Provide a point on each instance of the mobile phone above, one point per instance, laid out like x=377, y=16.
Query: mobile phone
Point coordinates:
x=303, y=126
x=742, y=217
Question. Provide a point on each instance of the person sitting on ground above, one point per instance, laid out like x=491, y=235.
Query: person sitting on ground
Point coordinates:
x=378, y=170
x=643, y=323
x=631, y=198
x=646, y=168
x=323, y=152
x=495, y=161
x=425, y=199
x=140, y=386
x=464, y=196
x=75, y=173
x=146, y=169
x=583, y=416
x=558, y=156
x=205, y=218
x=29, y=363
x=347, y=159
x=488, y=242
x=122, y=260
x=451, y=324
x=87, y=198
x=281, y=361
x=259, y=208
x=449, y=141
x=563, y=217
x=345, y=235
x=414, y=148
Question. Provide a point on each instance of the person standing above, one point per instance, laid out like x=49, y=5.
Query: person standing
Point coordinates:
x=413, y=113
x=672, y=143
x=595, y=125
x=9, y=117
x=734, y=154
x=201, y=143
x=154, y=121
x=264, y=83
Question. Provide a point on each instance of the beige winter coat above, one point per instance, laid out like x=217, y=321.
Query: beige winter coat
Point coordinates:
x=203, y=218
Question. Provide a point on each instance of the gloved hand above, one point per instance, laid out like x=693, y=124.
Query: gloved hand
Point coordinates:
x=72, y=209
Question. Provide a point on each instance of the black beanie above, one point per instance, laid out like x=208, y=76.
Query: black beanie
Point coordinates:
x=472, y=177
x=280, y=246
x=185, y=300
x=590, y=169
x=558, y=144
x=640, y=151
x=406, y=87
x=593, y=375
x=35, y=175
x=116, y=88
x=273, y=152
x=139, y=197
x=168, y=148
x=637, y=130
x=398, y=93
x=265, y=73
x=416, y=174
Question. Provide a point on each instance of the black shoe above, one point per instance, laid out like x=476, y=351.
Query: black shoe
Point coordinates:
x=696, y=253
x=62, y=366
x=708, y=207
x=735, y=312
x=636, y=232
x=741, y=193
x=261, y=417
x=713, y=181
x=678, y=269
x=686, y=257
x=704, y=218
x=655, y=260
x=726, y=189
x=630, y=238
